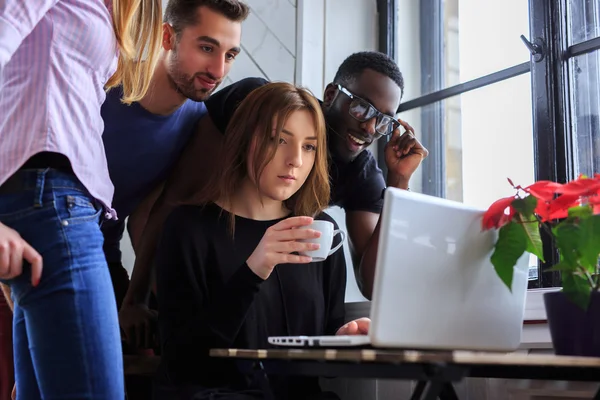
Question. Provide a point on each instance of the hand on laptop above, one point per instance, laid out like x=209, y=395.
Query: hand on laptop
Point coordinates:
x=357, y=327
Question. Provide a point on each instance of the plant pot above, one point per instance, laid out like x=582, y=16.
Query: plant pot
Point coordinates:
x=574, y=331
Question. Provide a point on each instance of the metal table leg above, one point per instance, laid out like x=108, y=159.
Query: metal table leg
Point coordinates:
x=448, y=392
x=438, y=384
x=260, y=376
x=433, y=390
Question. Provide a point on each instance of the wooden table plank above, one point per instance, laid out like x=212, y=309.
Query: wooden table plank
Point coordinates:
x=394, y=357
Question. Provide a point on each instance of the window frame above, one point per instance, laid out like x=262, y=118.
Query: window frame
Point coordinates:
x=554, y=154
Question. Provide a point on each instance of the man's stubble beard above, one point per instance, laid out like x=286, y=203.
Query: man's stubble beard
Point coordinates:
x=184, y=84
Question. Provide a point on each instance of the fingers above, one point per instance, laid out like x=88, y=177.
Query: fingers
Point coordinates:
x=395, y=136
x=362, y=325
x=5, y=263
x=138, y=325
x=35, y=259
x=293, y=240
x=16, y=258
x=279, y=241
x=398, y=140
x=13, y=249
x=292, y=222
x=404, y=144
x=357, y=327
x=294, y=259
x=293, y=246
x=406, y=126
x=408, y=144
x=406, y=138
x=349, y=329
x=296, y=234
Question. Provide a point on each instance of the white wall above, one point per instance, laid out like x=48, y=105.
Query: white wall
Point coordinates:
x=329, y=31
x=268, y=42
x=304, y=41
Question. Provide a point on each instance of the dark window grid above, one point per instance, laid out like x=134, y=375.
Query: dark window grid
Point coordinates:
x=553, y=141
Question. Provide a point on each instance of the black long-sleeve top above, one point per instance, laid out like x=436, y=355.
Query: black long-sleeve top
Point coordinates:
x=208, y=297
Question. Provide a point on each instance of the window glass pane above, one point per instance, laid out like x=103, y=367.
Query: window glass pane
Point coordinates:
x=488, y=135
x=584, y=72
x=477, y=39
x=584, y=20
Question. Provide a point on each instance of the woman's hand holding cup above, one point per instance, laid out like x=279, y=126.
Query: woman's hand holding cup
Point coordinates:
x=279, y=242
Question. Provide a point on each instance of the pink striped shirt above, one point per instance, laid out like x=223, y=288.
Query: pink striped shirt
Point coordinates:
x=55, y=58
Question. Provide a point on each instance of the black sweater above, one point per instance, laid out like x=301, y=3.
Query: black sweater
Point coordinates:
x=209, y=298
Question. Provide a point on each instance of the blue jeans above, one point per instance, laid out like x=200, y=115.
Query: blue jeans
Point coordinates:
x=67, y=342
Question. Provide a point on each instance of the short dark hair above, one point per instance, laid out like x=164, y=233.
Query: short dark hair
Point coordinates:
x=182, y=13
x=355, y=64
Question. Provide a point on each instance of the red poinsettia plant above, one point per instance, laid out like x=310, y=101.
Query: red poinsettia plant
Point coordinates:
x=569, y=213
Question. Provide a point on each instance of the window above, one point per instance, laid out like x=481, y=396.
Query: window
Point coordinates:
x=497, y=90
x=584, y=75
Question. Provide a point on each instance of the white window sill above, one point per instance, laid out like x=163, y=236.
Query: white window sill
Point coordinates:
x=536, y=334
x=534, y=304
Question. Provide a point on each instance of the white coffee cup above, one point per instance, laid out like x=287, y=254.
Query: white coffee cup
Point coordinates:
x=325, y=241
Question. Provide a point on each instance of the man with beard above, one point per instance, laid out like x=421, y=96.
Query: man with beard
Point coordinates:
x=201, y=39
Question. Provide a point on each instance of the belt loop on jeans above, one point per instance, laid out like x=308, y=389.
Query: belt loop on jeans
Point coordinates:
x=39, y=187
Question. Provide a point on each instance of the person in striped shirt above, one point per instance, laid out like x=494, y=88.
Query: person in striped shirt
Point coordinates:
x=57, y=57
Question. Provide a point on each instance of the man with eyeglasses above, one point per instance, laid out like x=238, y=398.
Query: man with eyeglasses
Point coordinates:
x=359, y=108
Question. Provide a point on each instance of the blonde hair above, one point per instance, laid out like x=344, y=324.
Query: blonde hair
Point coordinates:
x=138, y=28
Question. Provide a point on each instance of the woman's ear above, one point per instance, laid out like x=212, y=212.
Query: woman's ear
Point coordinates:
x=331, y=92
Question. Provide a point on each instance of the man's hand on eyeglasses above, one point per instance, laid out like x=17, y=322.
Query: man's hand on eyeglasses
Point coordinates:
x=403, y=155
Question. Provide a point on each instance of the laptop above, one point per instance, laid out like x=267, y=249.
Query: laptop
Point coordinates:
x=435, y=286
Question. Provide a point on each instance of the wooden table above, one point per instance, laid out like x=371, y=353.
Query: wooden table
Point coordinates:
x=435, y=371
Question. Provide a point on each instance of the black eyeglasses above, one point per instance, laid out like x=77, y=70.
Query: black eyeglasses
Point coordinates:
x=361, y=110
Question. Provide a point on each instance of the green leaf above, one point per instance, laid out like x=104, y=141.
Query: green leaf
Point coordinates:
x=577, y=289
x=568, y=237
x=589, y=246
x=580, y=211
x=531, y=228
x=510, y=246
x=562, y=266
x=525, y=206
